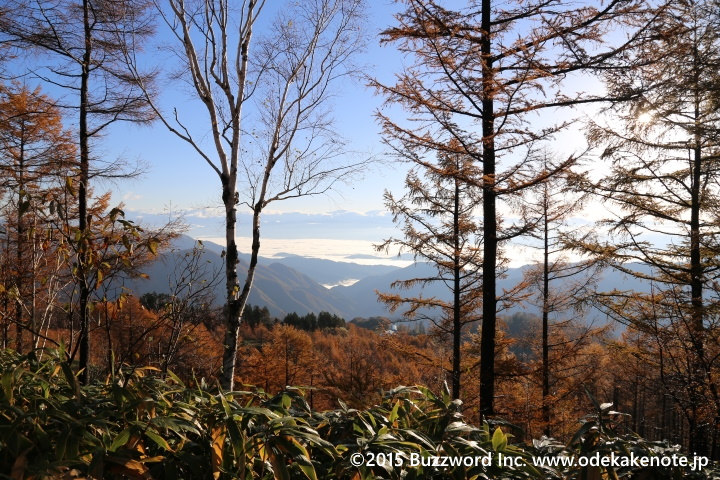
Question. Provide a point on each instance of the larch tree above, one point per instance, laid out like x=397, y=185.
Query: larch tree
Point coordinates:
x=266, y=98
x=560, y=285
x=114, y=250
x=438, y=222
x=665, y=156
x=35, y=154
x=81, y=47
x=482, y=74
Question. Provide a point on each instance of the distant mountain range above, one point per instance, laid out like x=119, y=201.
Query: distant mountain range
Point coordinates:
x=363, y=298
x=295, y=284
x=277, y=285
x=325, y=272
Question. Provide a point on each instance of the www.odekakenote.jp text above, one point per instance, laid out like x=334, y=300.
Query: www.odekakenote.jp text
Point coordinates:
x=612, y=460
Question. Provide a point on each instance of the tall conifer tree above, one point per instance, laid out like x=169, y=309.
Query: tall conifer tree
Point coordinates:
x=438, y=219
x=481, y=73
x=82, y=46
x=664, y=151
x=35, y=154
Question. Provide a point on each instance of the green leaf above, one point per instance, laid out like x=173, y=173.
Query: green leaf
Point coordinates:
x=7, y=385
x=115, y=212
x=581, y=431
x=236, y=438
x=280, y=471
x=61, y=443
x=71, y=379
x=162, y=443
x=307, y=469
x=120, y=440
x=394, y=413
x=594, y=401
x=499, y=440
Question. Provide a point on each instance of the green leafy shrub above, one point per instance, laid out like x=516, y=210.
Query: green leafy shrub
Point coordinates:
x=139, y=424
x=598, y=438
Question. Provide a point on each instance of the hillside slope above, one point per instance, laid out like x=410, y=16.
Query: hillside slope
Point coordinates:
x=279, y=287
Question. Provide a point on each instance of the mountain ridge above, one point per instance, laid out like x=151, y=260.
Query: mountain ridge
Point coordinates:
x=294, y=285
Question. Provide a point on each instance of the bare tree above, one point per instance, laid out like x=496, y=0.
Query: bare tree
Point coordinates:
x=283, y=145
x=191, y=286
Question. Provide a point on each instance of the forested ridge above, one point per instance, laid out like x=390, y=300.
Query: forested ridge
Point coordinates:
x=193, y=381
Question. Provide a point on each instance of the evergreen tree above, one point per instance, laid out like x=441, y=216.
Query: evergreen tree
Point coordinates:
x=292, y=319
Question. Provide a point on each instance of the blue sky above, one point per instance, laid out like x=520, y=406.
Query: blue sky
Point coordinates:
x=344, y=222
x=178, y=180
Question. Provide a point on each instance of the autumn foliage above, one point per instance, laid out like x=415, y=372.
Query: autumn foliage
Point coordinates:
x=96, y=381
x=138, y=424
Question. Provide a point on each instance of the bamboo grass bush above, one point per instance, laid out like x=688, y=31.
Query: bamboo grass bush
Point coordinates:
x=139, y=424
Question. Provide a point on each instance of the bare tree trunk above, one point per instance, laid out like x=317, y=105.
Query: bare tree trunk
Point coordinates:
x=545, y=320
x=234, y=306
x=698, y=441
x=487, y=338
x=457, y=310
x=34, y=327
x=84, y=340
x=6, y=298
x=19, y=245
